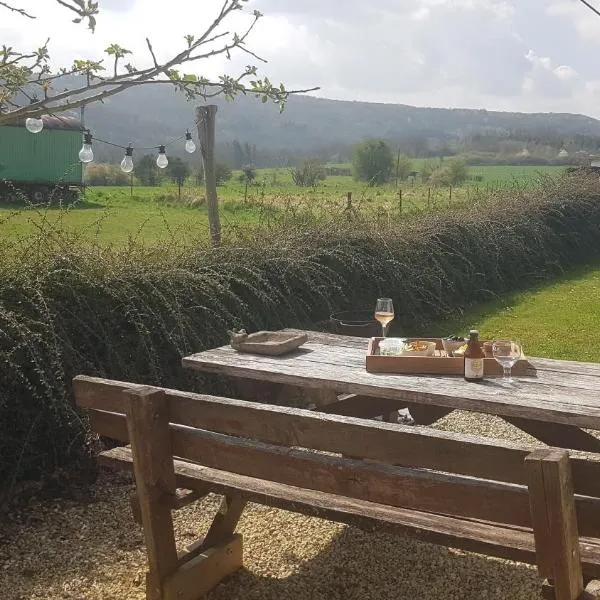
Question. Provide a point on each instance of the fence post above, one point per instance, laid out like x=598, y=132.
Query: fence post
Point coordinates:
x=428, y=197
x=400, y=200
x=206, y=132
x=450, y=200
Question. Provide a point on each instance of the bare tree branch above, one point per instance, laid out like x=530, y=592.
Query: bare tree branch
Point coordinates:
x=21, y=11
x=19, y=72
x=590, y=7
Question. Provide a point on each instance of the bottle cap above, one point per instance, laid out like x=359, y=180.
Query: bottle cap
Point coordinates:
x=473, y=332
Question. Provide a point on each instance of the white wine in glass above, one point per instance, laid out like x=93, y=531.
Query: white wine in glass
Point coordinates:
x=384, y=313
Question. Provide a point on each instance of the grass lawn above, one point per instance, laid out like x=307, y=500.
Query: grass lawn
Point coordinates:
x=556, y=320
x=154, y=214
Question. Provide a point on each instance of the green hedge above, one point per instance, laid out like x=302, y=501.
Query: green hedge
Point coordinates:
x=67, y=308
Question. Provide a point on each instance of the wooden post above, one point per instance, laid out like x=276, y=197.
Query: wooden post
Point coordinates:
x=555, y=521
x=206, y=133
x=148, y=426
x=428, y=197
x=400, y=200
x=397, y=167
x=450, y=199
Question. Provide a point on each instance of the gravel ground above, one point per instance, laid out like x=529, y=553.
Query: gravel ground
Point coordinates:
x=89, y=548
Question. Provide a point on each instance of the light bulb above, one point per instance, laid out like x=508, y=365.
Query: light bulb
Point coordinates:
x=34, y=125
x=127, y=162
x=86, y=154
x=189, y=144
x=162, y=162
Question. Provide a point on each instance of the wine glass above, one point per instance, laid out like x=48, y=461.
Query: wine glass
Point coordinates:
x=507, y=353
x=384, y=313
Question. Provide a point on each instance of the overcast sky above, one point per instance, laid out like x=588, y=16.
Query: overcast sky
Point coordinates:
x=523, y=55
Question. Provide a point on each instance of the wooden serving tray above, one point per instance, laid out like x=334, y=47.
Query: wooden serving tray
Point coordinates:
x=271, y=343
x=440, y=364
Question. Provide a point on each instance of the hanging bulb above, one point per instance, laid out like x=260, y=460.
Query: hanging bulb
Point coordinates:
x=127, y=162
x=34, y=125
x=162, y=161
x=86, y=154
x=189, y=144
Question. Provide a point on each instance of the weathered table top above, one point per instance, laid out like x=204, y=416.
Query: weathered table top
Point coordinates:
x=556, y=391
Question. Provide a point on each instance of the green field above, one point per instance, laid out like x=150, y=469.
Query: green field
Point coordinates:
x=116, y=214
x=560, y=319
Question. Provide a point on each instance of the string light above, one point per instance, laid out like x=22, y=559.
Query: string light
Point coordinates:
x=34, y=124
x=162, y=162
x=86, y=154
x=127, y=162
x=190, y=147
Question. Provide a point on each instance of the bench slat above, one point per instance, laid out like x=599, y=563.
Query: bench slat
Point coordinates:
x=386, y=442
x=375, y=482
x=501, y=542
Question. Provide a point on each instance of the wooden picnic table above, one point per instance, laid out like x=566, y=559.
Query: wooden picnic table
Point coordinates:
x=555, y=402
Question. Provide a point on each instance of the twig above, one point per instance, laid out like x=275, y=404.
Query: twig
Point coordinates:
x=590, y=7
x=21, y=11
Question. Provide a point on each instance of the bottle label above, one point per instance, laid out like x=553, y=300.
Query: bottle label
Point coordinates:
x=474, y=368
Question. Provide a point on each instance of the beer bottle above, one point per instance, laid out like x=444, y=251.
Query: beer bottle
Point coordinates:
x=474, y=358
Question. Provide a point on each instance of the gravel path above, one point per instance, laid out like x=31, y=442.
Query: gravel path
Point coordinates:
x=90, y=549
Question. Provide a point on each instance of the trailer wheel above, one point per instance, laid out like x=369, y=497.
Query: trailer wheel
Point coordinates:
x=39, y=195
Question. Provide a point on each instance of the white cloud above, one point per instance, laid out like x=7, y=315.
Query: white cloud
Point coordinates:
x=533, y=55
x=565, y=72
x=575, y=14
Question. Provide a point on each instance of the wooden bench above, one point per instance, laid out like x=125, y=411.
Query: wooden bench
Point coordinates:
x=534, y=505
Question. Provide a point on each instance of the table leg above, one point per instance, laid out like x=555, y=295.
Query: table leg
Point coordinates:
x=281, y=394
x=268, y=392
x=556, y=434
x=363, y=407
x=426, y=414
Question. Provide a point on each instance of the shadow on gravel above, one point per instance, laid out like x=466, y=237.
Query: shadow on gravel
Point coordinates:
x=90, y=548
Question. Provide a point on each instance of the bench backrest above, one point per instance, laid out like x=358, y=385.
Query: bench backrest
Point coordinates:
x=409, y=467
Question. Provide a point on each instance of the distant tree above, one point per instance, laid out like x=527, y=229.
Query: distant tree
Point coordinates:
x=450, y=172
x=178, y=170
x=440, y=177
x=105, y=174
x=222, y=173
x=308, y=173
x=427, y=169
x=147, y=171
x=198, y=175
x=373, y=162
x=238, y=155
x=403, y=167
x=248, y=154
x=459, y=170
x=248, y=174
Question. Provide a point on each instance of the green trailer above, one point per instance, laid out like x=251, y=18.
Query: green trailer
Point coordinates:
x=44, y=166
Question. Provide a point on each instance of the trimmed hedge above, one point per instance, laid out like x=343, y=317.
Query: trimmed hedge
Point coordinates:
x=69, y=308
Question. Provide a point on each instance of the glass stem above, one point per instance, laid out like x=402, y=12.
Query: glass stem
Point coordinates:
x=507, y=377
x=383, y=329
